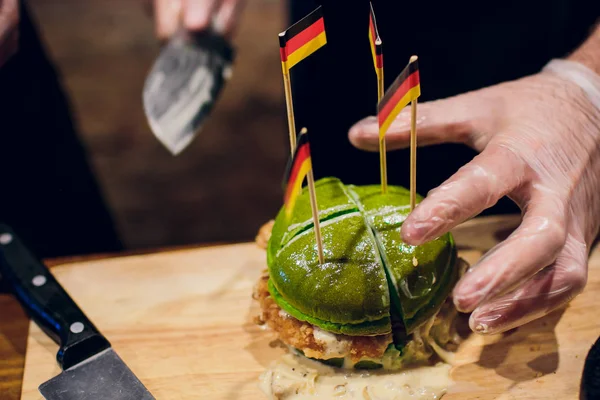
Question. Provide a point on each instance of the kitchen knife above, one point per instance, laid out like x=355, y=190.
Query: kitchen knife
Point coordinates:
x=184, y=84
x=92, y=370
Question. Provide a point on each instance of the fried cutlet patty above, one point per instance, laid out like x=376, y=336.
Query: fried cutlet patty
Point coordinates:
x=311, y=340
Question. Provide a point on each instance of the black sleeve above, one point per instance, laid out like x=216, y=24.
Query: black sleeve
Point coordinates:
x=48, y=191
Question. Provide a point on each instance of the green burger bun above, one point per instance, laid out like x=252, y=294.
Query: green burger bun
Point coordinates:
x=370, y=277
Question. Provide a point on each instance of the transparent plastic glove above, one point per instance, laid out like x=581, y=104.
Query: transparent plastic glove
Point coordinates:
x=196, y=15
x=9, y=29
x=539, y=144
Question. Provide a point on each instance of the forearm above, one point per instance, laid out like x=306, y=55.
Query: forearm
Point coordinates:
x=588, y=53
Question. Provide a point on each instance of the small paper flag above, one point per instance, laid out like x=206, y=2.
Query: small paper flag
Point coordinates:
x=375, y=42
x=302, y=39
x=297, y=169
x=406, y=88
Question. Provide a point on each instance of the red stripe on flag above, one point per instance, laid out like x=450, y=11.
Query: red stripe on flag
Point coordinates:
x=283, y=54
x=372, y=29
x=305, y=36
x=302, y=154
x=379, y=59
x=409, y=83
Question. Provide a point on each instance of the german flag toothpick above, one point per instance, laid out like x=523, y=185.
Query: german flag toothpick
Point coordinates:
x=405, y=89
x=302, y=39
x=377, y=53
x=376, y=45
x=300, y=166
x=297, y=169
x=295, y=44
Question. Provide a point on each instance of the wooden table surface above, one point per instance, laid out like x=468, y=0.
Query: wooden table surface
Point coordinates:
x=14, y=323
x=13, y=337
x=14, y=326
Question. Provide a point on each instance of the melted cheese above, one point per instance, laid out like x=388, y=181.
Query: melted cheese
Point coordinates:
x=297, y=378
x=332, y=346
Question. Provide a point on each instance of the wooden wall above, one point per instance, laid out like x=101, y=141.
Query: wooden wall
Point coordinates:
x=228, y=181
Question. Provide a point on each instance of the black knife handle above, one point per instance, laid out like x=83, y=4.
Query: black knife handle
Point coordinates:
x=47, y=303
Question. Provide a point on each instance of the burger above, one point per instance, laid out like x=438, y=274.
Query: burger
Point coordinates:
x=375, y=302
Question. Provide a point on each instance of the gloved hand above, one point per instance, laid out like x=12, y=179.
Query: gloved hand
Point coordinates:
x=9, y=29
x=196, y=15
x=539, y=144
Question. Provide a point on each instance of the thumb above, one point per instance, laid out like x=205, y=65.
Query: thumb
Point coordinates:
x=451, y=120
x=167, y=15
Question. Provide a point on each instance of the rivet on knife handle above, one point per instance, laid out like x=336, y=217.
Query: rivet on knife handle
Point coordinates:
x=47, y=303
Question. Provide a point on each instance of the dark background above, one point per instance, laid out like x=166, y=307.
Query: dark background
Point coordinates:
x=222, y=188
x=462, y=46
x=227, y=183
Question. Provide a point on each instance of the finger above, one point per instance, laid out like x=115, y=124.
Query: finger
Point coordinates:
x=9, y=29
x=547, y=291
x=476, y=186
x=453, y=120
x=167, y=15
x=226, y=18
x=9, y=16
x=534, y=245
x=198, y=14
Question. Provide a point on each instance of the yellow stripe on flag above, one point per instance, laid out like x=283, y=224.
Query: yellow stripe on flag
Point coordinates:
x=306, y=50
x=297, y=188
x=412, y=94
x=372, y=44
x=374, y=53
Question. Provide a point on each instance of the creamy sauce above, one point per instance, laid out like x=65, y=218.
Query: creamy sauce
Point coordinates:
x=297, y=378
x=332, y=346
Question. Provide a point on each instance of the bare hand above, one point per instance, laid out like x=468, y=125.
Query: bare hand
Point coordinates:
x=539, y=139
x=9, y=29
x=196, y=15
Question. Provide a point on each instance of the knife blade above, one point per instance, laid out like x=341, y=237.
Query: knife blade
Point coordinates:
x=183, y=85
x=91, y=368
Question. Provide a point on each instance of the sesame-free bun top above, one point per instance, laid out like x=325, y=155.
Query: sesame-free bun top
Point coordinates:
x=369, y=274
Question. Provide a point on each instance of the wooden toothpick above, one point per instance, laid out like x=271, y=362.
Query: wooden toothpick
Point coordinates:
x=290, y=108
x=382, y=144
x=315, y=208
x=413, y=149
x=315, y=212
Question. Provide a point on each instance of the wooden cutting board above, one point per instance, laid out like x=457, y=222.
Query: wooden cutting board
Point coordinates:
x=183, y=322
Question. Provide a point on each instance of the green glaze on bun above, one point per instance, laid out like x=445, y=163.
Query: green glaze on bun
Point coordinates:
x=368, y=274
